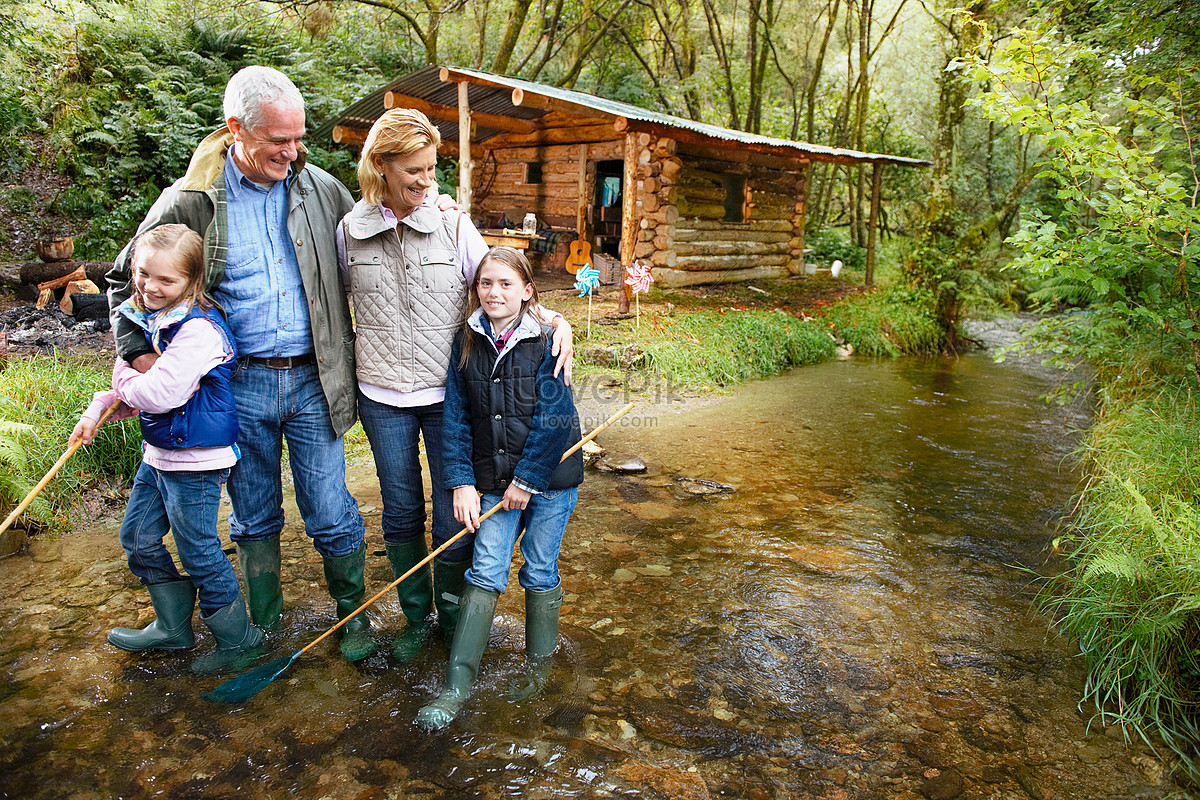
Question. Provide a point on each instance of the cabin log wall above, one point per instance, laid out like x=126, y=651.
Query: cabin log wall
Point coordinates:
x=706, y=248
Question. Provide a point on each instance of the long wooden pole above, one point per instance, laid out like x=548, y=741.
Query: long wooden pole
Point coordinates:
x=53, y=471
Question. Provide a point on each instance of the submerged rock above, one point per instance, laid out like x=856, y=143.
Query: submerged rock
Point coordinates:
x=626, y=465
x=701, y=487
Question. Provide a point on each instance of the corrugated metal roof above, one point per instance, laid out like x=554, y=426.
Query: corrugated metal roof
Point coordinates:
x=492, y=94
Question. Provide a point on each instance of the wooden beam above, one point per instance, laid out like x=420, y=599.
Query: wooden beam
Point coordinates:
x=345, y=134
x=520, y=97
x=464, y=147
x=438, y=111
x=875, y=181
x=580, y=134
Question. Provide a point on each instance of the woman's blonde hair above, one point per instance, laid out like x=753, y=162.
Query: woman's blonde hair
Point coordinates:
x=509, y=257
x=185, y=248
x=399, y=132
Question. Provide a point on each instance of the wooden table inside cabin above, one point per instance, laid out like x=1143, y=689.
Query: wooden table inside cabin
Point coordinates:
x=508, y=237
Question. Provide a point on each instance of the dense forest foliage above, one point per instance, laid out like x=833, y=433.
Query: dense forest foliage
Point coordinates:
x=1062, y=137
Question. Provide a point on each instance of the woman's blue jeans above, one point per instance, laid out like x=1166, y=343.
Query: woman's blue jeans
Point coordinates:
x=184, y=504
x=544, y=521
x=394, y=433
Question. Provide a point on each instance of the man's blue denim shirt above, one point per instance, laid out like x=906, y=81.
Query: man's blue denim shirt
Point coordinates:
x=262, y=291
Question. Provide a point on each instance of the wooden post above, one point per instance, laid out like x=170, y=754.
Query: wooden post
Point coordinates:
x=581, y=215
x=800, y=219
x=876, y=173
x=628, y=223
x=464, y=149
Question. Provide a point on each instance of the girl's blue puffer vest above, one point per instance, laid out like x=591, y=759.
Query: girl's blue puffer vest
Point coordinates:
x=209, y=417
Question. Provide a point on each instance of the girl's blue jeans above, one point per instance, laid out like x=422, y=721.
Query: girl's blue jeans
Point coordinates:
x=544, y=521
x=184, y=504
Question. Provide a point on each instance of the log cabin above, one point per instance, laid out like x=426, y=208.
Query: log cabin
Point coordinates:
x=697, y=202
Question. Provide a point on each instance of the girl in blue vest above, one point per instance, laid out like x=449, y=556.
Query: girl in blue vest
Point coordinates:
x=506, y=423
x=189, y=423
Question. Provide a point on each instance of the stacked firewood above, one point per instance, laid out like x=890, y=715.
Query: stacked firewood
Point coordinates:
x=656, y=173
x=57, y=278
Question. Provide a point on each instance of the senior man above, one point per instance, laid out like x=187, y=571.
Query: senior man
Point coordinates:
x=268, y=220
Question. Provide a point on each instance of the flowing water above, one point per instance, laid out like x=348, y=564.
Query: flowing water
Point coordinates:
x=855, y=620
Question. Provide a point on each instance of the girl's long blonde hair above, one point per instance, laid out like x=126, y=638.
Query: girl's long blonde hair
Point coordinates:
x=509, y=257
x=185, y=248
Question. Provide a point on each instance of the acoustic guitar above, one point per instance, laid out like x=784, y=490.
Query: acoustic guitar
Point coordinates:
x=580, y=256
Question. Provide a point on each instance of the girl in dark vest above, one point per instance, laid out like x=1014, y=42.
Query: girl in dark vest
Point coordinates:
x=506, y=423
x=189, y=424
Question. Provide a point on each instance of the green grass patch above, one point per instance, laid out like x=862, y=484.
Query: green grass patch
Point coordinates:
x=41, y=399
x=888, y=322
x=1132, y=593
x=703, y=349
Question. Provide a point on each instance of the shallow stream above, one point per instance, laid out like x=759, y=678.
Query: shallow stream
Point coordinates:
x=855, y=620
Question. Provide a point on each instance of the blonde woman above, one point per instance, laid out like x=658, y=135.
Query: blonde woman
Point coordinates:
x=407, y=267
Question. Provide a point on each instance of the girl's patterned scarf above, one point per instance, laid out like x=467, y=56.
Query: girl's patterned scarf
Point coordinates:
x=154, y=322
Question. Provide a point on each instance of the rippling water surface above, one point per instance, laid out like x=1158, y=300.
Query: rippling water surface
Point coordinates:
x=853, y=621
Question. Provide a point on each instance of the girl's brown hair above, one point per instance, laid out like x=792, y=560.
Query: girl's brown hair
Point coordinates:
x=186, y=250
x=509, y=257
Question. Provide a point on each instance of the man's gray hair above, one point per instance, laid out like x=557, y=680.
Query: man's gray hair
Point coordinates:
x=252, y=88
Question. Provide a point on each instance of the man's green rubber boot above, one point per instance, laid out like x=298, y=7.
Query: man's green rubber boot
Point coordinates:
x=260, y=562
x=449, y=581
x=344, y=576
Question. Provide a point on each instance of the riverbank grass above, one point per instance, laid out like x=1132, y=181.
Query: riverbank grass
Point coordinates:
x=1132, y=593
x=41, y=399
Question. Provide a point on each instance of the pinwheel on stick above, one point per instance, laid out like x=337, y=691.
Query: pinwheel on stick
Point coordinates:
x=587, y=279
x=638, y=277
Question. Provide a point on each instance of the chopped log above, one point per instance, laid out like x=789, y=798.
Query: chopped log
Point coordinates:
x=711, y=211
x=671, y=168
x=45, y=298
x=38, y=272
x=680, y=277
x=89, y=306
x=75, y=288
x=10, y=274
x=664, y=147
x=663, y=258
x=57, y=283
x=58, y=249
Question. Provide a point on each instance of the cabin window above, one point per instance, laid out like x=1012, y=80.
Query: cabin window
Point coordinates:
x=735, y=198
x=533, y=172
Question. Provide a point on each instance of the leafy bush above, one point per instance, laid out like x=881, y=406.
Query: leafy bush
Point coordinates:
x=828, y=246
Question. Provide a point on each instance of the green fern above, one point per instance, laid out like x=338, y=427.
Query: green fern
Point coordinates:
x=15, y=482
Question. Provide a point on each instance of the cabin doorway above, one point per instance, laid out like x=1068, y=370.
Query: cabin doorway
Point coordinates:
x=607, y=205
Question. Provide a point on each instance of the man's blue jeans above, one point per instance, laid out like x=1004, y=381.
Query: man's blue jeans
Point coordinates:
x=544, y=521
x=185, y=504
x=394, y=433
x=273, y=404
